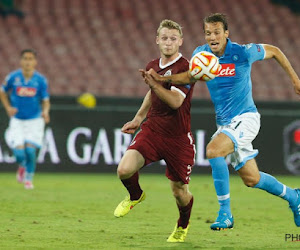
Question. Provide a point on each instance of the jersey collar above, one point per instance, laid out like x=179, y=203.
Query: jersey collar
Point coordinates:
x=169, y=63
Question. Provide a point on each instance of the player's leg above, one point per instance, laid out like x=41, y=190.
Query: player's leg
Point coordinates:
x=179, y=154
x=219, y=147
x=142, y=151
x=33, y=131
x=128, y=173
x=19, y=153
x=30, y=152
x=252, y=177
x=15, y=140
x=184, y=201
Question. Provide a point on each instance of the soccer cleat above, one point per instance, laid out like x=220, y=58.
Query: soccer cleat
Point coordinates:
x=296, y=209
x=223, y=222
x=179, y=234
x=20, y=174
x=126, y=205
x=28, y=185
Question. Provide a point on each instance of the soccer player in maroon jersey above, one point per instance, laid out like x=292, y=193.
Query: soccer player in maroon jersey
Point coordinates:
x=166, y=134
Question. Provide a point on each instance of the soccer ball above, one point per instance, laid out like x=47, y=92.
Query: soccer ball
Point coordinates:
x=204, y=66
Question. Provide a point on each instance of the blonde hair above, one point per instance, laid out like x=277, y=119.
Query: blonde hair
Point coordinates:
x=170, y=25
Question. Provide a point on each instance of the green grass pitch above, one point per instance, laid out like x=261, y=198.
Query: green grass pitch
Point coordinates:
x=75, y=211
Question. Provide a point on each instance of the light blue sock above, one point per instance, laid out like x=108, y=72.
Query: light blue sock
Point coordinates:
x=220, y=175
x=30, y=163
x=273, y=186
x=19, y=154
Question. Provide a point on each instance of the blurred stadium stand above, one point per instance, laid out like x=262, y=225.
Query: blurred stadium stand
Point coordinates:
x=98, y=46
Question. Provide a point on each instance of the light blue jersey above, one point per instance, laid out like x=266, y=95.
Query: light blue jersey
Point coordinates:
x=26, y=96
x=231, y=91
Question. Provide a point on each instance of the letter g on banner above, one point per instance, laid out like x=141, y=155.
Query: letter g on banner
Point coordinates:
x=86, y=147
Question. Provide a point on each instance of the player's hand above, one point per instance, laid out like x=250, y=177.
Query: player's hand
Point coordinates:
x=11, y=111
x=143, y=72
x=297, y=86
x=46, y=117
x=150, y=80
x=153, y=73
x=130, y=127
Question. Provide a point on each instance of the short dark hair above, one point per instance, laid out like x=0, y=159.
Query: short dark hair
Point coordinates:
x=216, y=17
x=28, y=51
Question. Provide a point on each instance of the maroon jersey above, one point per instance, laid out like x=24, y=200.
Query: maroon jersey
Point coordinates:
x=161, y=118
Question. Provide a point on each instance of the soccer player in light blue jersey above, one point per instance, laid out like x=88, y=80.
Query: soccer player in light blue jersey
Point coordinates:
x=28, y=109
x=238, y=121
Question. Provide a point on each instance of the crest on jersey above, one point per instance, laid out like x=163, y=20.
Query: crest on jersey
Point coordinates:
x=235, y=58
x=17, y=81
x=168, y=72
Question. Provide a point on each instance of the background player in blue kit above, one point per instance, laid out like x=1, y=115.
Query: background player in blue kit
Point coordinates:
x=27, y=89
x=238, y=121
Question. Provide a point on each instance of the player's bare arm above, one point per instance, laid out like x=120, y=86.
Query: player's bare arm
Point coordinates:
x=11, y=111
x=278, y=55
x=180, y=79
x=171, y=97
x=46, y=110
x=131, y=126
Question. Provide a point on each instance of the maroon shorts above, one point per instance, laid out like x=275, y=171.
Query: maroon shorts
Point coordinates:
x=178, y=152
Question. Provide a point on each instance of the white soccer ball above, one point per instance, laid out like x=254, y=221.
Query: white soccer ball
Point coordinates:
x=204, y=66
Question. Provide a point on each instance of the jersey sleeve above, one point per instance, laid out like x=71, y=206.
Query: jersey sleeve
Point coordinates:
x=182, y=89
x=254, y=52
x=44, y=89
x=7, y=84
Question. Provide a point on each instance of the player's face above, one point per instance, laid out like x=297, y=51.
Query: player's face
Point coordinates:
x=169, y=41
x=216, y=37
x=28, y=61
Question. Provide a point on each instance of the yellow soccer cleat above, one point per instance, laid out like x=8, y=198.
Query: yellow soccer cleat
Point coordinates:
x=126, y=205
x=178, y=234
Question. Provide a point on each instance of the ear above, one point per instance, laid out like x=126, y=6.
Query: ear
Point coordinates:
x=227, y=33
x=181, y=41
x=157, y=40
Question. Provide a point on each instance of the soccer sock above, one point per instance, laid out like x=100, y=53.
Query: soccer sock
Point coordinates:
x=19, y=154
x=273, y=186
x=133, y=186
x=30, y=163
x=220, y=175
x=185, y=214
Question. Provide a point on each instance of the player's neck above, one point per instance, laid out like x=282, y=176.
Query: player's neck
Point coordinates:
x=27, y=74
x=167, y=59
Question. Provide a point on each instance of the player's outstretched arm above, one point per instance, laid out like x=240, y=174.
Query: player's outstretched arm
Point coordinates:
x=274, y=52
x=11, y=111
x=131, y=126
x=180, y=79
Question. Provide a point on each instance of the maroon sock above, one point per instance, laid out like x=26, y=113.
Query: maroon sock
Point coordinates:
x=185, y=214
x=133, y=186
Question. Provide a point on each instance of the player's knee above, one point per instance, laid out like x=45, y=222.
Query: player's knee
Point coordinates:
x=19, y=154
x=124, y=172
x=211, y=152
x=178, y=194
x=250, y=181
